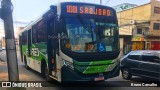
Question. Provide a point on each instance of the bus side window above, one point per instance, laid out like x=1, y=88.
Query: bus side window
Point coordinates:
x=41, y=32
x=34, y=35
x=24, y=38
x=29, y=42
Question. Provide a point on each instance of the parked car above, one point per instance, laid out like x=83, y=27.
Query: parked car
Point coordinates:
x=144, y=63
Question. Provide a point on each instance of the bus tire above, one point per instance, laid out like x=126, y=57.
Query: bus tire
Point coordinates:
x=43, y=65
x=25, y=62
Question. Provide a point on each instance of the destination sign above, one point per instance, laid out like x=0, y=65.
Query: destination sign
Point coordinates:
x=88, y=9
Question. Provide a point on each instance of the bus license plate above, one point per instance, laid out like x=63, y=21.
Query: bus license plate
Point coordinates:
x=99, y=79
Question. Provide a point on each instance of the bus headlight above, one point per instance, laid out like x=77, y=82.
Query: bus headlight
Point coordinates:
x=68, y=64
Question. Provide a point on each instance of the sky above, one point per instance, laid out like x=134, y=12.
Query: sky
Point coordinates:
x=29, y=10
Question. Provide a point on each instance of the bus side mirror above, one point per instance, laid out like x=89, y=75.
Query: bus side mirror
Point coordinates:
x=60, y=24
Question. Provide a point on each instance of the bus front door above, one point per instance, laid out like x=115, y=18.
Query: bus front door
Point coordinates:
x=51, y=47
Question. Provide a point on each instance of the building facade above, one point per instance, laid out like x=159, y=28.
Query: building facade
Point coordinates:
x=153, y=35
x=124, y=6
x=124, y=32
x=144, y=23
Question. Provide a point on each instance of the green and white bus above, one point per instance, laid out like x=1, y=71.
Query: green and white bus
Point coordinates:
x=73, y=42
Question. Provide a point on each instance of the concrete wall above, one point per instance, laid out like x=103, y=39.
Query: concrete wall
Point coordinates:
x=155, y=17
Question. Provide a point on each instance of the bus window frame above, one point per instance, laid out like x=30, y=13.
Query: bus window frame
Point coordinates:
x=34, y=41
x=23, y=35
x=43, y=26
x=29, y=41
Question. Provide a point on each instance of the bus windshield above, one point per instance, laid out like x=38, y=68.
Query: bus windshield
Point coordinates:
x=90, y=35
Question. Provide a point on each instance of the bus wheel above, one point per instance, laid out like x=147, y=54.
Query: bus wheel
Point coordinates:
x=44, y=70
x=126, y=74
x=25, y=62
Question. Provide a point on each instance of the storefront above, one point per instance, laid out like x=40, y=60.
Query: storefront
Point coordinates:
x=153, y=40
x=138, y=43
x=155, y=45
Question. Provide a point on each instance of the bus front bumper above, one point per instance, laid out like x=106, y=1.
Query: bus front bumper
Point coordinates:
x=69, y=75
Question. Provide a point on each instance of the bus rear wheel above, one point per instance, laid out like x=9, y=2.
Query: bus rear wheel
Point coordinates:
x=47, y=74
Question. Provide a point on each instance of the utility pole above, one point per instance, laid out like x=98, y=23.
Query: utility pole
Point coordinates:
x=6, y=14
x=101, y=2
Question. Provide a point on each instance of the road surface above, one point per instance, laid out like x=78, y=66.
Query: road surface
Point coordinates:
x=30, y=75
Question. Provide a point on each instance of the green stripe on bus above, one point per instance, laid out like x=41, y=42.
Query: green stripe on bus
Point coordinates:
x=97, y=62
x=95, y=69
x=42, y=49
x=92, y=67
x=42, y=54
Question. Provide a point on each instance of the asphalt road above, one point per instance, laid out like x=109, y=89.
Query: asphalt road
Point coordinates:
x=30, y=75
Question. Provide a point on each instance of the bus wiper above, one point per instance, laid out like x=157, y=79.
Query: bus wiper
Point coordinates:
x=85, y=25
x=83, y=22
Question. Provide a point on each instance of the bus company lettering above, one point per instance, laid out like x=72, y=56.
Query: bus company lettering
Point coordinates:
x=35, y=52
x=88, y=10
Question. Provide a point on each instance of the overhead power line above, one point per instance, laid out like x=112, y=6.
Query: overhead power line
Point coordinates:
x=107, y=2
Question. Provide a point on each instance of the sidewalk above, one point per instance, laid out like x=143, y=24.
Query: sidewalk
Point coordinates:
x=24, y=74
x=3, y=71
